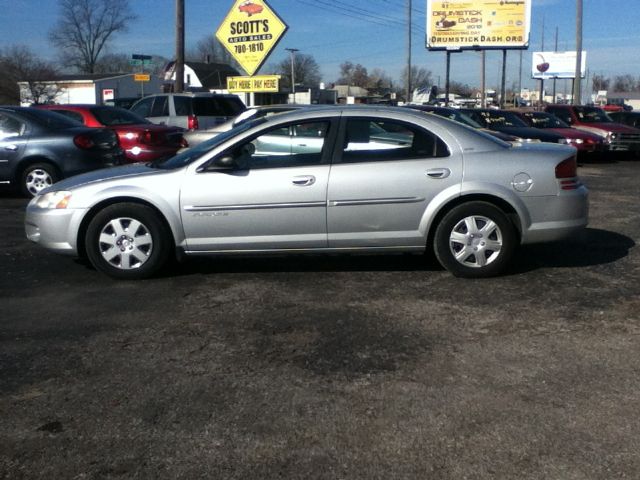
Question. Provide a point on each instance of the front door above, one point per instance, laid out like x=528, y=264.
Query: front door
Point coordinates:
x=274, y=199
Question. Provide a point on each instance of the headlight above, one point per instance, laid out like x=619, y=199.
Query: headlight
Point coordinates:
x=53, y=200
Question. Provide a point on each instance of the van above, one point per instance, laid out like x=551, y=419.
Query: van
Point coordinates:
x=192, y=111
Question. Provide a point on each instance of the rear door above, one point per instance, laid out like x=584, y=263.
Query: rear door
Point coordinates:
x=381, y=185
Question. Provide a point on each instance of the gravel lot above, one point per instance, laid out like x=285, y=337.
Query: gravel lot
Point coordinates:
x=329, y=367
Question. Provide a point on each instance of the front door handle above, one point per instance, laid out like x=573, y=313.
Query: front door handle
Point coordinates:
x=11, y=148
x=304, y=180
x=438, y=172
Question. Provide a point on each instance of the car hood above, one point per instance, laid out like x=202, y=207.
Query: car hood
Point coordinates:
x=609, y=127
x=575, y=133
x=530, y=132
x=126, y=171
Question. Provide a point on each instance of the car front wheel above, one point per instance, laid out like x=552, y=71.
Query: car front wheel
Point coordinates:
x=127, y=241
x=475, y=240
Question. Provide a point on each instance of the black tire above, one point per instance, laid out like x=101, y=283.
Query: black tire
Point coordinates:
x=37, y=177
x=128, y=241
x=475, y=240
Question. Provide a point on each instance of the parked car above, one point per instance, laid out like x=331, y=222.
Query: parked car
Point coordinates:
x=584, y=141
x=192, y=111
x=443, y=186
x=458, y=116
x=38, y=148
x=122, y=102
x=142, y=140
x=617, y=137
x=508, y=122
x=629, y=118
x=195, y=137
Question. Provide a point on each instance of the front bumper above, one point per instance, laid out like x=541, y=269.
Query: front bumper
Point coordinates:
x=54, y=229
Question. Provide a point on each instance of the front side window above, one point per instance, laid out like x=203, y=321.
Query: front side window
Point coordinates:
x=592, y=115
x=143, y=107
x=380, y=140
x=10, y=127
x=290, y=146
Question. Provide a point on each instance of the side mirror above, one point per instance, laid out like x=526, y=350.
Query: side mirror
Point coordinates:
x=225, y=162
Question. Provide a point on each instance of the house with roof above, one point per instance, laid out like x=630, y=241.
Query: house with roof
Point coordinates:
x=91, y=88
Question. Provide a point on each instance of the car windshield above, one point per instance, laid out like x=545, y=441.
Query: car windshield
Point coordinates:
x=185, y=158
x=504, y=119
x=592, y=115
x=545, y=120
x=111, y=116
x=460, y=117
x=51, y=120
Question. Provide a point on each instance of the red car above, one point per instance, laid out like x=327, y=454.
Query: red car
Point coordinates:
x=141, y=140
x=583, y=141
x=617, y=137
x=250, y=8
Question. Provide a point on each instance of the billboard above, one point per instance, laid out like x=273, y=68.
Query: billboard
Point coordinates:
x=258, y=83
x=478, y=24
x=249, y=32
x=546, y=65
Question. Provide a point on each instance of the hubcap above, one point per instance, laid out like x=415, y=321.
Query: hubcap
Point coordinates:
x=38, y=179
x=125, y=243
x=475, y=241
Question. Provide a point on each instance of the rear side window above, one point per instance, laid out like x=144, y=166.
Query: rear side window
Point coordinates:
x=182, y=105
x=117, y=116
x=72, y=115
x=217, y=106
x=381, y=140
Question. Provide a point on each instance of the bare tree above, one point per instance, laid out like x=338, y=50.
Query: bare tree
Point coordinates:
x=355, y=75
x=306, y=71
x=209, y=49
x=600, y=82
x=624, y=83
x=85, y=27
x=420, y=77
x=19, y=64
x=379, y=82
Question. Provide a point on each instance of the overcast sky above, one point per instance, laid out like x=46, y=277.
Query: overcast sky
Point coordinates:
x=370, y=32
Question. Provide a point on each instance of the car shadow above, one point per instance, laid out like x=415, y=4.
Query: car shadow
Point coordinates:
x=593, y=247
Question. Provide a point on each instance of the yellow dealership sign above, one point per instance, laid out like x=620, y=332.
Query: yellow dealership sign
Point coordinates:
x=259, y=83
x=141, y=77
x=249, y=32
x=478, y=24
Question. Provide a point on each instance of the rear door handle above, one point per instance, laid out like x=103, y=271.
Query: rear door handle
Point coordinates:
x=304, y=180
x=438, y=172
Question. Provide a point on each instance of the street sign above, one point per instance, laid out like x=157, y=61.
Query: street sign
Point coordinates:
x=142, y=77
x=135, y=62
x=250, y=31
x=259, y=83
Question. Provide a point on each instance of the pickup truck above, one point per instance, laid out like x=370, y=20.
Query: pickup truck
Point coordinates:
x=617, y=137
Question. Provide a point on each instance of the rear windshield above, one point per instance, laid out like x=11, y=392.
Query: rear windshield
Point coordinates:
x=117, y=116
x=217, y=106
x=51, y=120
x=591, y=115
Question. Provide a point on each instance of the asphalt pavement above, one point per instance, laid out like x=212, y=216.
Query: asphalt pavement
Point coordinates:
x=357, y=367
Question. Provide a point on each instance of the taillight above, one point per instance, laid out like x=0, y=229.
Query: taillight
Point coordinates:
x=145, y=137
x=567, y=173
x=192, y=122
x=84, y=141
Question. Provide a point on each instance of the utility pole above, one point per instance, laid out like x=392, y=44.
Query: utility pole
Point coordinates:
x=408, y=83
x=292, y=53
x=483, y=82
x=542, y=79
x=577, y=87
x=555, y=77
x=179, y=66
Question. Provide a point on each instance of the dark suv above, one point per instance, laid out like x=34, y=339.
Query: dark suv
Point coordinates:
x=192, y=111
x=38, y=148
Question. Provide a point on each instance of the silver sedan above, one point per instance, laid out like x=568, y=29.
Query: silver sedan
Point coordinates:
x=324, y=180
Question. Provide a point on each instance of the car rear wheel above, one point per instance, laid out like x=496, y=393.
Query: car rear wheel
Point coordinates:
x=127, y=241
x=37, y=177
x=475, y=240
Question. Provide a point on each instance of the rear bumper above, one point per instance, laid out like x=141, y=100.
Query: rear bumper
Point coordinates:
x=557, y=217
